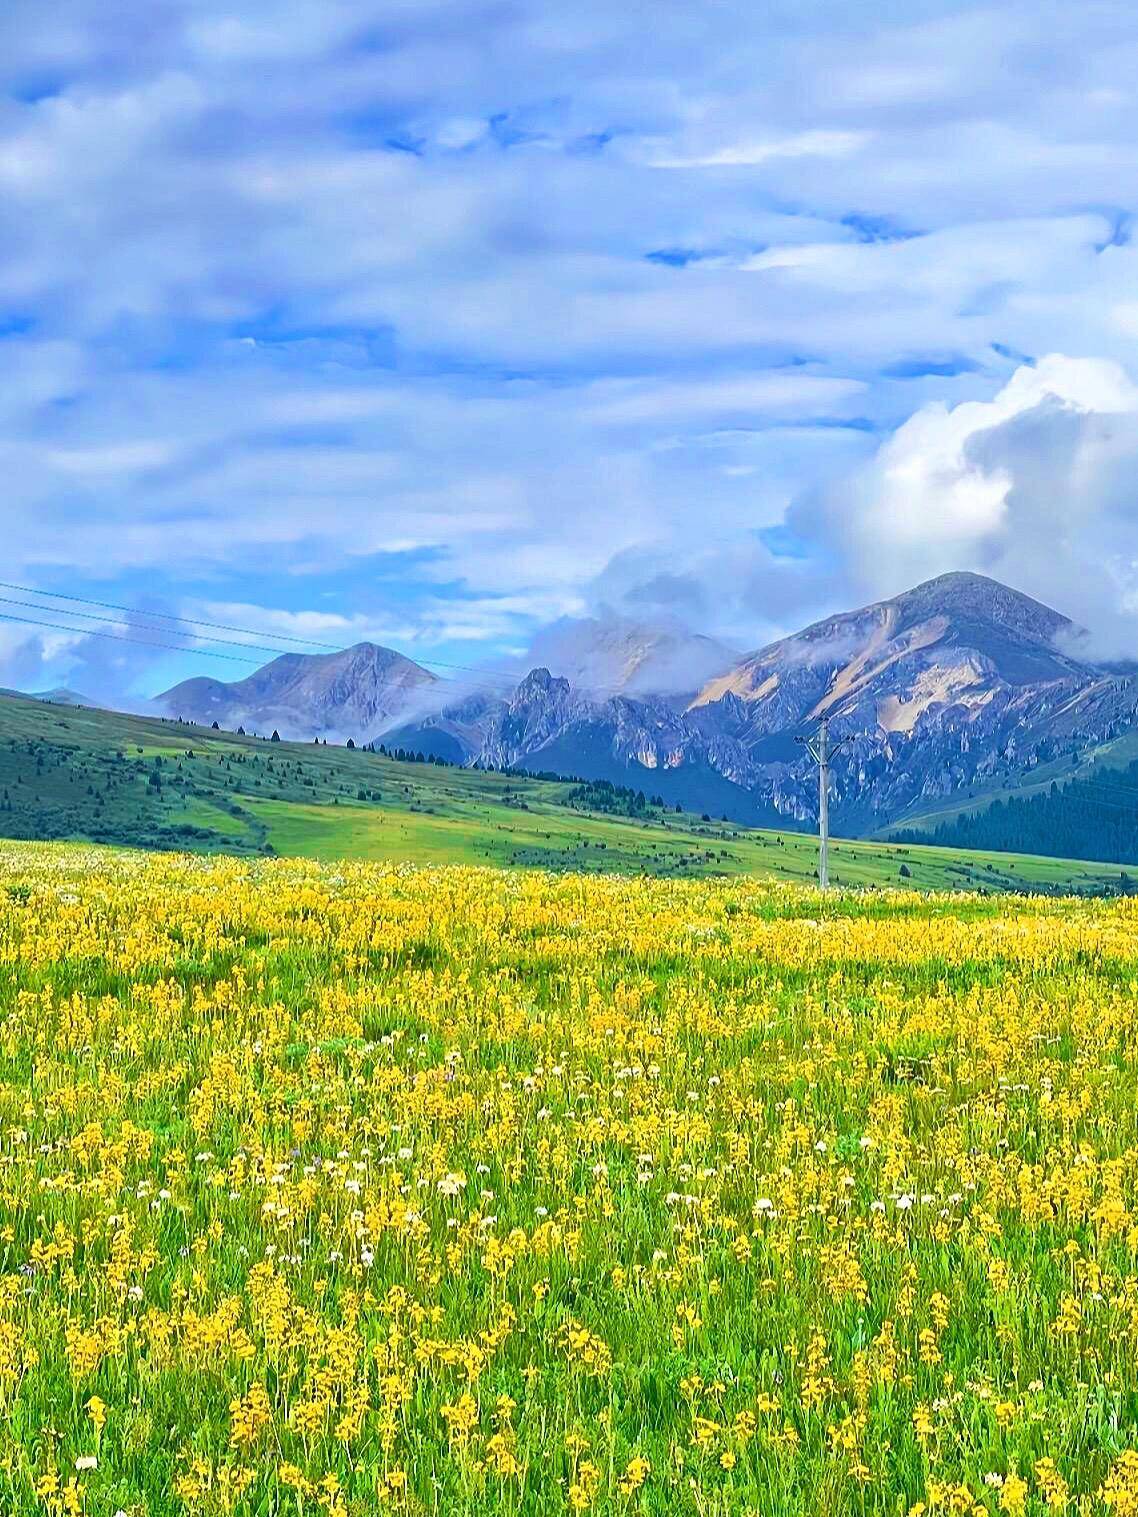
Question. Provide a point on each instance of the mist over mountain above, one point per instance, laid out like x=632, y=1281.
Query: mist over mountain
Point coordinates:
x=615, y=655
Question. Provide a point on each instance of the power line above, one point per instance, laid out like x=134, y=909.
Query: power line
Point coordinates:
x=30, y=621
x=110, y=605
x=505, y=680
x=90, y=616
x=118, y=637
x=196, y=646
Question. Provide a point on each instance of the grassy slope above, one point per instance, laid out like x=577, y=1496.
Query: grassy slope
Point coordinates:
x=75, y=773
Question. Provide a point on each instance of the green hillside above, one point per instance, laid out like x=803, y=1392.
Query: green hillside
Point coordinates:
x=143, y=782
x=1095, y=813
x=1090, y=761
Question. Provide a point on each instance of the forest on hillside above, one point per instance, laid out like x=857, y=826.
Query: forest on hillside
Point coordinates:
x=1093, y=818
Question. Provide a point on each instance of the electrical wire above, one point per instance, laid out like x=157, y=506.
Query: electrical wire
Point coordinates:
x=110, y=605
x=90, y=616
x=505, y=681
x=31, y=621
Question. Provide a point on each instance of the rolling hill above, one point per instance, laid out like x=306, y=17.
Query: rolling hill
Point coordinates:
x=79, y=773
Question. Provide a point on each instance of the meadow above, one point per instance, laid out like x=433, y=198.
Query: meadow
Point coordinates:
x=356, y=1188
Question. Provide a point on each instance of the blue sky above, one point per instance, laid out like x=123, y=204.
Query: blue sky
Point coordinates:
x=433, y=323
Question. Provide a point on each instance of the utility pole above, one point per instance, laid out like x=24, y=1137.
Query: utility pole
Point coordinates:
x=820, y=749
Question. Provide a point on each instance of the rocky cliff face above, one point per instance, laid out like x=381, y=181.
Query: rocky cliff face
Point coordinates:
x=959, y=685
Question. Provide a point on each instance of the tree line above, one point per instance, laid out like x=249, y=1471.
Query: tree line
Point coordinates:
x=1093, y=818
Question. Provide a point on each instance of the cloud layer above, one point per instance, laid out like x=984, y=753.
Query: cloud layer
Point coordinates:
x=436, y=323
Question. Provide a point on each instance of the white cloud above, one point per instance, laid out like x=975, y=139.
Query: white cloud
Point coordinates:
x=460, y=132
x=286, y=289
x=752, y=397
x=1034, y=487
x=110, y=459
x=813, y=144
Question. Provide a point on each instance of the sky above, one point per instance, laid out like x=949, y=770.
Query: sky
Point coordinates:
x=434, y=323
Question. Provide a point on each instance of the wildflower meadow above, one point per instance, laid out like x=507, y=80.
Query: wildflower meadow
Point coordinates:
x=369, y=1188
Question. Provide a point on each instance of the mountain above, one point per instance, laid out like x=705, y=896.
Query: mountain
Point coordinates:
x=60, y=696
x=548, y=727
x=961, y=632
x=354, y=693
x=959, y=685
x=958, y=689
x=610, y=655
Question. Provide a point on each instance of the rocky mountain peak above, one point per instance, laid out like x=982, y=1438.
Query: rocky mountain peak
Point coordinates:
x=354, y=693
x=964, y=595
x=540, y=685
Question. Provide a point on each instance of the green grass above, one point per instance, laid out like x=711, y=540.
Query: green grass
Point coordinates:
x=351, y=1190
x=85, y=775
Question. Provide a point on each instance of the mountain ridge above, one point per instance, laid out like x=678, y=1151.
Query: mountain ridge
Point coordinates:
x=960, y=681
x=959, y=684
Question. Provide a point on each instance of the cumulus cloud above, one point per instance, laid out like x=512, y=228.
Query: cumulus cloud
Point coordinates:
x=467, y=318
x=1035, y=487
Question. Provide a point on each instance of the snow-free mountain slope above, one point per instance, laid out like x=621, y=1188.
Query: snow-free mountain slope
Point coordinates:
x=958, y=622
x=354, y=693
x=959, y=683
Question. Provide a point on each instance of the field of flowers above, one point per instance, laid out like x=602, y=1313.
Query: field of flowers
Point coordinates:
x=380, y=1189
